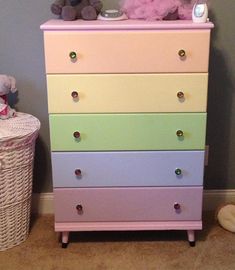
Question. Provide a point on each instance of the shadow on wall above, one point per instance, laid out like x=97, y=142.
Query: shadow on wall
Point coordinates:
x=221, y=90
x=42, y=167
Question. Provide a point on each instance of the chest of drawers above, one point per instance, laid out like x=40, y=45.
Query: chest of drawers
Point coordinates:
x=127, y=110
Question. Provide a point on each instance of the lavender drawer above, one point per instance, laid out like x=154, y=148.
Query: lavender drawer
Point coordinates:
x=128, y=204
x=141, y=168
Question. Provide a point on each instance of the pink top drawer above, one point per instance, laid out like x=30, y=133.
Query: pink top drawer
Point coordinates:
x=127, y=204
x=124, y=51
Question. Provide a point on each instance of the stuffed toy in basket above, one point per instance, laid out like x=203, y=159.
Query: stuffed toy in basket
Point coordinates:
x=7, y=85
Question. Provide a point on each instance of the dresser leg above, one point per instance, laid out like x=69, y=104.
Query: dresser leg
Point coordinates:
x=191, y=238
x=65, y=239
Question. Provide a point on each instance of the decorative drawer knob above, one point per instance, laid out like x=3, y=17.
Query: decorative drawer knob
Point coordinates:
x=79, y=208
x=180, y=95
x=179, y=133
x=74, y=94
x=178, y=171
x=72, y=55
x=177, y=206
x=78, y=172
x=182, y=53
x=76, y=135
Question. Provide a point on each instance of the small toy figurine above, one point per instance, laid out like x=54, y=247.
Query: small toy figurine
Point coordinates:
x=70, y=10
x=7, y=85
x=158, y=9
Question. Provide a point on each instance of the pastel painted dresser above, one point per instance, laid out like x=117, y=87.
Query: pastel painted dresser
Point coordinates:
x=127, y=107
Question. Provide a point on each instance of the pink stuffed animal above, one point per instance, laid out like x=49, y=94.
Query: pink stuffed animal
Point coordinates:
x=7, y=84
x=158, y=9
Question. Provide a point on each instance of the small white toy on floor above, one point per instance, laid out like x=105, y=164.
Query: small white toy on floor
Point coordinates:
x=226, y=217
x=7, y=85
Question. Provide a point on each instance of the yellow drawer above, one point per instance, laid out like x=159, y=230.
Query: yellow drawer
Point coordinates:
x=143, y=51
x=127, y=93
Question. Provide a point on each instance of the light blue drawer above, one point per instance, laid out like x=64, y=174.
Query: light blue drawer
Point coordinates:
x=117, y=169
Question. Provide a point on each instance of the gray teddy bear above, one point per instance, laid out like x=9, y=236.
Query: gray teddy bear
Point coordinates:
x=70, y=10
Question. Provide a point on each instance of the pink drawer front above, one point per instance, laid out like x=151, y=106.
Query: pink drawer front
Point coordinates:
x=127, y=204
x=126, y=51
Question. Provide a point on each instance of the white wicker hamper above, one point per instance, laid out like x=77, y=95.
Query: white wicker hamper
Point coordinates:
x=17, y=143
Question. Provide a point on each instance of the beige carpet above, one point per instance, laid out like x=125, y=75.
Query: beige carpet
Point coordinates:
x=214, y=250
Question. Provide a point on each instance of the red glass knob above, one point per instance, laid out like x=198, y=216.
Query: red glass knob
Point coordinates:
x=76, y=135
x=74, y=94
x=79, y=208
x=181, y=53
x=176, y=206
x=78, y=172
x=180, y=94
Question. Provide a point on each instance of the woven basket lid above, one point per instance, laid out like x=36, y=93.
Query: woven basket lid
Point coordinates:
x=18, y=129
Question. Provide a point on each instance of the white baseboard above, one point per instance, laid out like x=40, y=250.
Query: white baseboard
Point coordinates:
x=214, y=198
x=42, y=203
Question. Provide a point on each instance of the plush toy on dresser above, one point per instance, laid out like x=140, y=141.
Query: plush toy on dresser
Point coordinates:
x=7, y=85
x=70, y=10
x=158, y=9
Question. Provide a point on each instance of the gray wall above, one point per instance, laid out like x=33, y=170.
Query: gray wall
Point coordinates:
x=21, y=55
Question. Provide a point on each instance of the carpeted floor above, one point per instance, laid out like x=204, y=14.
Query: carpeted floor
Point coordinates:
x=154, y=250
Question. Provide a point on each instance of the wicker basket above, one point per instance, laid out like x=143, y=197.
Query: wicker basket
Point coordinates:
x=17, y=143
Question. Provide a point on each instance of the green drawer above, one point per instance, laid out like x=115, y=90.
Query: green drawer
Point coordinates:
x=152, y=131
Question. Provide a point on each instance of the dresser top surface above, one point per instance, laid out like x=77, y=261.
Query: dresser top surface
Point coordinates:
x=58, y=24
